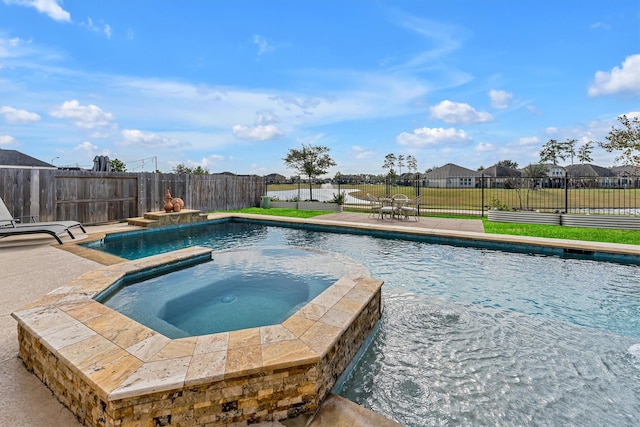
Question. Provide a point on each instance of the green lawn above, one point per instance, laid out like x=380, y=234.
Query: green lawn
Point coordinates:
x=631, y=237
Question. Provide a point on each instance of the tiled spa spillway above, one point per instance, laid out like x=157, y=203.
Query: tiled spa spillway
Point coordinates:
x=112, y=371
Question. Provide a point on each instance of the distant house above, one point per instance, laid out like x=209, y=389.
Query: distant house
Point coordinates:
x=501, y=175
x=275, y=178
x=17, y=160
x=451, y=176
x=588, y=175
x=626, y=176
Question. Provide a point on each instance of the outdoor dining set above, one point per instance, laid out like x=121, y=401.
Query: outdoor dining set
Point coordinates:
x=398, y=206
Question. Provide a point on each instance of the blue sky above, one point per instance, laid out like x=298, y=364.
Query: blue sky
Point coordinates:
x=233, y=85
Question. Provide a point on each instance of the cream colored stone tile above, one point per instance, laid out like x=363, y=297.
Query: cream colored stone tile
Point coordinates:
x=149, y=347
x=312, y=311
x=153, y=377
x=320, y=337
x=338, y=318
x=44, y=320
x=349, y=305
x=61, y=338
x=85, y=312
x=212, y=343
x=298, y=325
x=244, y=338
x=275, y=333
x=89, y=351
x=328, y=298
x=243, y=361
x=110, y=371
x=177, y=348
x=120, y=329
x=369, y=284
x=360, y=295
x=285, y=354
x=206, y=367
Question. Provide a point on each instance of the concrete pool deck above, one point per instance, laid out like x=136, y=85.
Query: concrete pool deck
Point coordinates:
x=33, y=266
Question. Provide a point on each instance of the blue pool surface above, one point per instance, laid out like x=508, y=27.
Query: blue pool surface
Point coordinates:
x=472, y=335
x=229, y=292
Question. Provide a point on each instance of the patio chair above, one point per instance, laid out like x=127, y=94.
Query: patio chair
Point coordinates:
x=387, y=207
x=9, y=226
x=374, y=205
x=410, y=208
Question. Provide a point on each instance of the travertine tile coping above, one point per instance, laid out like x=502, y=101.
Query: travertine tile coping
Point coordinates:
x=121, y=359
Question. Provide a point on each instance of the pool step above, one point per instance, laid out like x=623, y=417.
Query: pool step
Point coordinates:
x=161, y=219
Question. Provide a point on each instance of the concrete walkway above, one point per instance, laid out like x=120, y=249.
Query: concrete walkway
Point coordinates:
x=31, y=266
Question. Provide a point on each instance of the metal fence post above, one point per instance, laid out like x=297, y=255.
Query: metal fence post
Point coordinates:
x=482, y=197
x=566, y=194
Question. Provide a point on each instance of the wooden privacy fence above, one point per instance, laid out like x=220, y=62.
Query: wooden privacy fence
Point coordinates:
x=99, y=197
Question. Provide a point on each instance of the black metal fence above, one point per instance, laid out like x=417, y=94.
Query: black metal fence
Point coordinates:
x=463, y=195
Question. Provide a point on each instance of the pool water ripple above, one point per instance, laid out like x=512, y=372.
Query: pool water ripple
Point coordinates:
x=483, y=337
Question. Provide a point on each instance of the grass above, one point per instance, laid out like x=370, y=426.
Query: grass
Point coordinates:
x=291, y=213
x=631, y=237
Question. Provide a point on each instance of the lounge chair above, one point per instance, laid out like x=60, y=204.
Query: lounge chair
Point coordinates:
x=54, y=231
x=10, y=227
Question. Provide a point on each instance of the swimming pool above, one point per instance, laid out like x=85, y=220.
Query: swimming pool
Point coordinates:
x=474, y=336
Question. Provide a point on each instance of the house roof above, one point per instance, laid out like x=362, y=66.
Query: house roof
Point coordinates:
x=451, y=170
x=588, y=170
x=16, y=159
x=499, y=171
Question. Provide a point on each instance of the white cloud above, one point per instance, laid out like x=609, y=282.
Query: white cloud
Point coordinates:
x=500, y=99
x=7, y=140
x=48, y=7
x=529, y=140
x=87, y=146
x=485, y=146
x=618, y=80
x=258, y=133
x=361, y=153
x=431, y=136
x=85, y=116
x=13, y=115
x=266, y=118
x=134, y=136
x=263, y=46
x=551, y=130
x=99, y=27
x=456, y=112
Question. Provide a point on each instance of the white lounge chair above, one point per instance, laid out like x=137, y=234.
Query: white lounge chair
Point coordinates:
x=10, y=227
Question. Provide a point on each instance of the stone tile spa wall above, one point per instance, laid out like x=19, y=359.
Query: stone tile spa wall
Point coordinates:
x=111, y=371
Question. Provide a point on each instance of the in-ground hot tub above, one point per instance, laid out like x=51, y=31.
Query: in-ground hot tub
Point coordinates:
x=239, y=289
x=110, y=370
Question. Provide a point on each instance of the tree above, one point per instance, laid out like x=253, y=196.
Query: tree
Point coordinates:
x=412, y=164
x=400, y=163
x=569, y=148
x=626, y=140
x=584, y=153
x=311, y=160
x=181, y=168
x=389, y=161
x=531, y=175
x=508, y=164
x=118, y=166
x=552, y=151
x=199, y=170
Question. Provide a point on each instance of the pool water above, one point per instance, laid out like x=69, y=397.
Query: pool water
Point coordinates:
x=476, y=336
x=238, y=289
